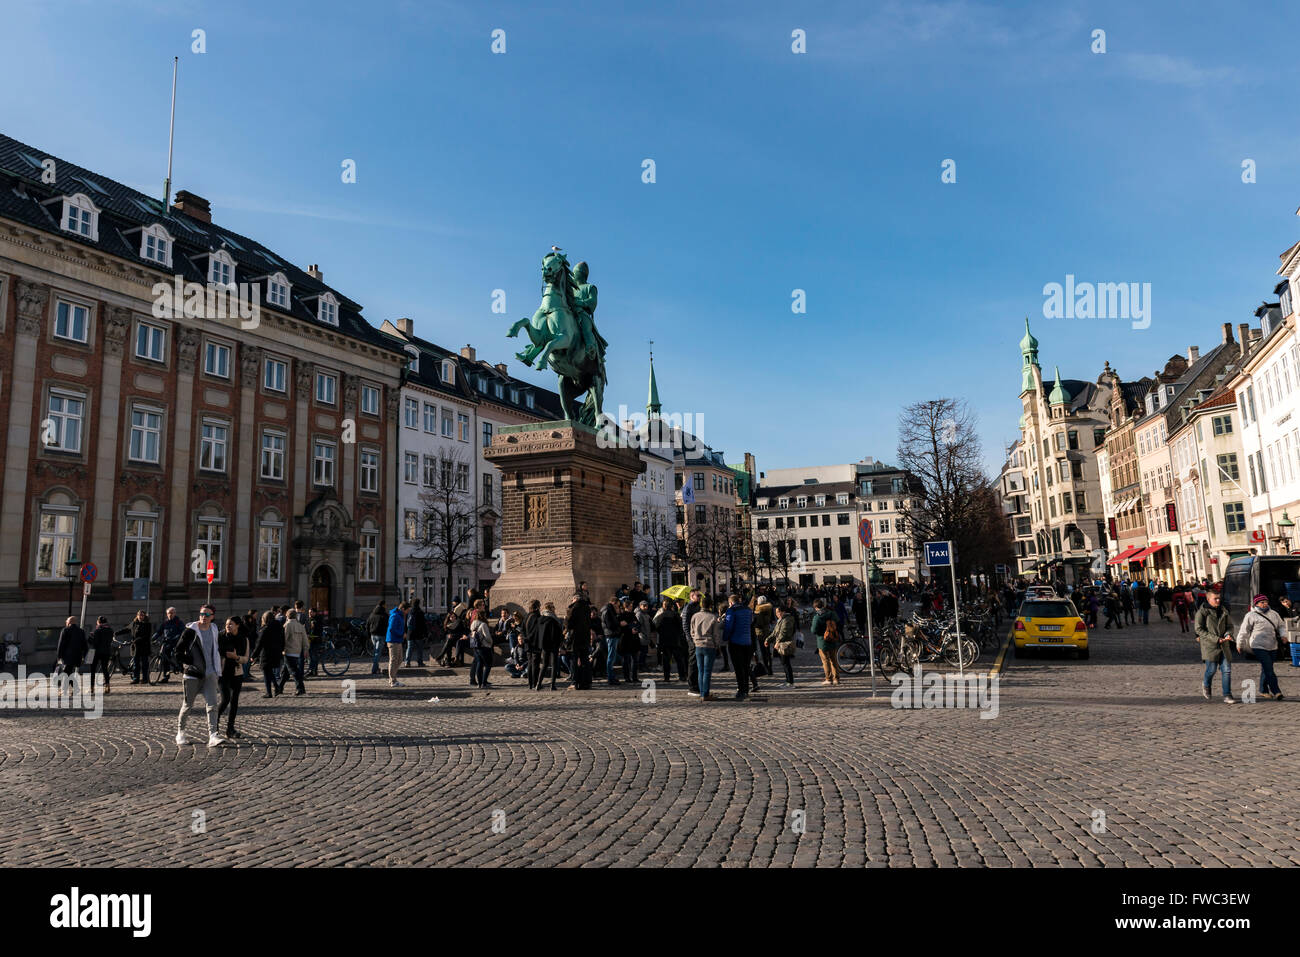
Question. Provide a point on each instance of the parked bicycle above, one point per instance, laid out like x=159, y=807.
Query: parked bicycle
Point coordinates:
x=928, y=640
x=333, y=654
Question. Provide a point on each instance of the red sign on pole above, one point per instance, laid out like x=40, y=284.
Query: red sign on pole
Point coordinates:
x=864, y=531
x=212, y=570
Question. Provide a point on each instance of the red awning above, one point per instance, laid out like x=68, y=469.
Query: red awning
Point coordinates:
x=1147, y=552
x=1125, y=555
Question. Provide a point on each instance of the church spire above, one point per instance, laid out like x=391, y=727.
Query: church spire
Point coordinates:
x=652, y=405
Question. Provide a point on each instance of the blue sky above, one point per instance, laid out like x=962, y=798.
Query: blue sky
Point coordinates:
x=775, y=171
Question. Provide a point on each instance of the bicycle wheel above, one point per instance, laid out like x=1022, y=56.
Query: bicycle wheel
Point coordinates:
x=851, y=657
x=911, y=651
x=155, y=671
x=123, y=659
x=335, y=662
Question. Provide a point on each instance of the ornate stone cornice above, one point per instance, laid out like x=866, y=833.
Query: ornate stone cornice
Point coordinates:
x=32, y=300
x=303, y=373
x=350, y=393
x=116, y=326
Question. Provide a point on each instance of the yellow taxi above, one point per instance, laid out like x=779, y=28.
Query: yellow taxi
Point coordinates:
x=1054, y=623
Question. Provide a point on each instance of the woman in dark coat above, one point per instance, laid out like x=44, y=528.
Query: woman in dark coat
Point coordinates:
x=233, y=649
x=71, y=651
x=269, y=652
x=141, y=629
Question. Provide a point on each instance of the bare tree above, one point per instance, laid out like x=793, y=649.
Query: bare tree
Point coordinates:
x=654, y=540
x=450, y=519
x=951, y=498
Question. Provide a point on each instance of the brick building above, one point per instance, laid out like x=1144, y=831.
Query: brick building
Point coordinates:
x=172, y=392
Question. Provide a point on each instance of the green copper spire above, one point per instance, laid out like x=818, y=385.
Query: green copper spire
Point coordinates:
x=652, y=404
x=1058, y=394
x=1029, y=353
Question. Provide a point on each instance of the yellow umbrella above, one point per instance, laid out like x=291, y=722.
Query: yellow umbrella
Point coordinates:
x=677, y=592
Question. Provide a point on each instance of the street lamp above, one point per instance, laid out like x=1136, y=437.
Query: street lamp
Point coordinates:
x=1283, y=537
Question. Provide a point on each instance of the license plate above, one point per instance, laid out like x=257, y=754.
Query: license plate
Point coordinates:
x=1049, y=627
x=1049, y=637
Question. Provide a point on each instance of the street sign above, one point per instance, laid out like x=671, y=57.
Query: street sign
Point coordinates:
x=1257, y=535
x=139, y=589
x=212, y=570
x=864, y=532
x=88, y=572
x=938, y=554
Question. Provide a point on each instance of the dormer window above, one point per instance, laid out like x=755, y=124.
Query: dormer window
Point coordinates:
x=821, y=500
x=802, y=501
x=156, y=245
x=783, y=502
x=448, y=371
x=514, y=396
x=277, y=290
x=528, y=399
x=500, y=391
x=414, y=364
x=481, y=382
x=327, y=309
x=81, y=216
x=221, y=269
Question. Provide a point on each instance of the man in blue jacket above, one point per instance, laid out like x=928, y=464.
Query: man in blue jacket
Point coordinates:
x=396, y=640
x=737, y=628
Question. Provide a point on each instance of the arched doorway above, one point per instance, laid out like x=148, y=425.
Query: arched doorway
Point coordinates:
x=322, y=589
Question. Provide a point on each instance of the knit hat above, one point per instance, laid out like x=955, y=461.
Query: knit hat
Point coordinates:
x=1258, y=598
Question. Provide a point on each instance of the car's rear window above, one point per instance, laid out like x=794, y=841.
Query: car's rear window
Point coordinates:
x=1048, y=609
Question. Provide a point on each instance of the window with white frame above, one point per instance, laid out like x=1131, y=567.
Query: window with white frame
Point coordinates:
x=462, y=477
x=150, y=342
x=370, y=400
x=481, y=383
x=448, y=371
x=71, y=321
x=146, y=437
x=270, y=545
x=273, y=449
x=67, y=412
x=430, y=471
x=56, y=541
x=842, y=498
x=368, y=556
x=410, y=468
x=80, y=216
x=820, y=499
x=514, y=395
x=275, y=375
x=369, y=470
x=448, y=424
x=326, y=388
x=411, y=413
x=430, y=418
x=323, y=454
x=328, y=309
x=528, y=400
x=210, y=538
x=216, y=360
x=156, y=245
x=213, y=442
x=277, y=290
x=410, y=525
x=499, y=390
x=137, y=547
x=462, y=420
x=801, y=501
x=221, y=269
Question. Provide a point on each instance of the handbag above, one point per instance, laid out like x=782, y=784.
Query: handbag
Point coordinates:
x=798, y=639
x=784, y=648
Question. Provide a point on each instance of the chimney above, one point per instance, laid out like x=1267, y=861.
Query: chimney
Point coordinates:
x=1193, y=353
x=501, y=367
x=1256, y=335
x=467, y=352
x=406, y=327
x=314, y=271
x=196, y=207
x=1243, y=333
x=1227, y=333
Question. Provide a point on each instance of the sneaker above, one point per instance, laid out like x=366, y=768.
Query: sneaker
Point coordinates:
x=182, y=737
x=217, y=741
x=1205, y=692
x=1229, y=700
x=1279, y=697
x=1267, y=694
x=394, y=684
x=827, y=681
x=692, y=694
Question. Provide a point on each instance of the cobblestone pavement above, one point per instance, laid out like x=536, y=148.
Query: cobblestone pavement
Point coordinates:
x=601, y=778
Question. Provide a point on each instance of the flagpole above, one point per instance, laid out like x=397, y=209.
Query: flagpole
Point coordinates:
x=171, y=133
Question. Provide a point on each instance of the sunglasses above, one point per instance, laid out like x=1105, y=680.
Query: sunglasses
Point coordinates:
x=205, y=614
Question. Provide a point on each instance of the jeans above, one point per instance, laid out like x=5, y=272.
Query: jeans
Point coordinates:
x=314, y=652
x=207, y=686
x=100, y=667
x=291, y=663
x=740, y=655
x=787, y=662
x=693, y=668
x=377, y=647
x=704, y=666
x=611, y=657
x=1267, y=676
x=1225, y=670
x=481, y=668
x=230, y=688
x=1146, y=615
x=140, y=663
x=415, y=649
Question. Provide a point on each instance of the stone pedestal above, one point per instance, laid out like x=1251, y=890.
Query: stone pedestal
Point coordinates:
x=566, y=506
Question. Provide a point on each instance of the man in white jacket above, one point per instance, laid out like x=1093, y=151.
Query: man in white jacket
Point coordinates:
x=1259, y=633
x=197, y=650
